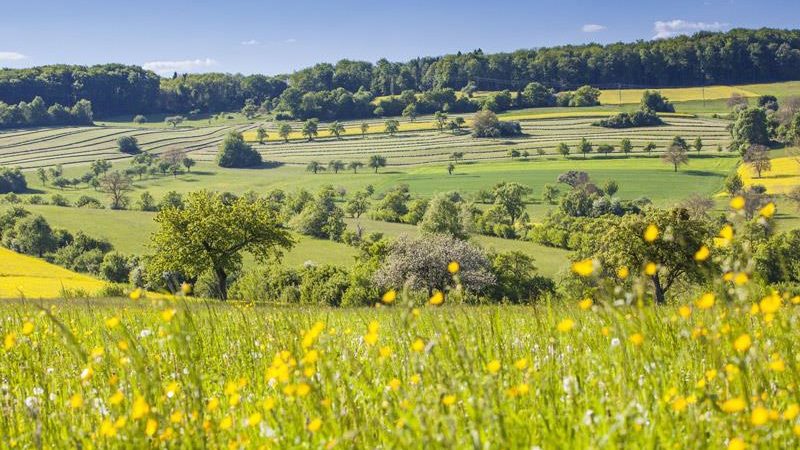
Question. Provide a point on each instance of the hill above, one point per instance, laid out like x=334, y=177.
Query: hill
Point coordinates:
x=22, y=275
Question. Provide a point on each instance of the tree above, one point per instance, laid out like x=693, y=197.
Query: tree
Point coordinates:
x=310, y=129
x=623, y=244
x=440, y=119
x=33, y=235
x=376, y=162
x=457, y=156
x=249, y=110
x=321, y=217
x=610, y=187
x=336, y=165
x=336, y=129
x=733, y=184
x=510, y=198
x=410, y=112
x=234, y=152
x=550, y=194
x=188, y=163
x=173, y=156
x=315, y=167
x=443, y=216
x=284, y=130
x=757, y=158
x=211, y=233
x=114, y=267
x=391, y=126
x=675, y=155
x=420, y=263
x=139, y=119
x=563, y=149
x=517, y=280
x=174, y=120
x=455, y=125
x=261, y=134
x=585, y=147
x=649, y=147
x=750, y=127
x=680, y=142
x=654, y=101
x=355, y=165
x=737, y=100
x=116, y=185
x=450, y=168
x=698, y=144
x=100, y=166
x=357, y=205
x=605, y=149
x=626, y=146
x=364, y=129
x=146, y=202
x=128, y=144
x=42, y=175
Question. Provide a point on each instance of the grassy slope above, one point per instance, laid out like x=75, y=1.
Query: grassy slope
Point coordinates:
x=36, y=278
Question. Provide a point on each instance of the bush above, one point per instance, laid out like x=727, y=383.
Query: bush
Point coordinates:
x=644, y=118
x=234, y=152
x=114, y=267
x=139, y=119
x=486, y=124
x=323, y=285
x=85, y=201
x=59, y=200
x=654, y=101
x=12, y=181
x=271, y=284
x=128, y=144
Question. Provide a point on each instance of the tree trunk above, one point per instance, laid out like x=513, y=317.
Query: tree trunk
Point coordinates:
x=659, y=290
x=222, y=282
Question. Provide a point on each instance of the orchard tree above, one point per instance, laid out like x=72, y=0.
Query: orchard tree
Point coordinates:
x=211, y=233
x=174, y=120
x=355, y=165
x=364, y=129
x=117, y=185
x=128, y=144
x=336, y=129
x=315, y=167
x=450, y=168
x=675, y=155
x=376, y=162
x=440, y=119
x=410, y=112
x=357, y=205
x=284, y=130
x=336, y=165
x=626, y=146
x=100, y=167
x=698, y=144
x=261, y=134
x=443, y=216
x=310, y=129
x=563, y=149
x=32, y=235
x=391, y=126
x=585, y=147
x=757, y=158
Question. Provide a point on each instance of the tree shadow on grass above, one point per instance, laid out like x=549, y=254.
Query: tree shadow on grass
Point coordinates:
x=703, y=173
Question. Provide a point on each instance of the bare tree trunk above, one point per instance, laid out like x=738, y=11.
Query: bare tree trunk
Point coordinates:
x=659, y=290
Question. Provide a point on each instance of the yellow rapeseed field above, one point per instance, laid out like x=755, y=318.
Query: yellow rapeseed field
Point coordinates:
x=784, y=176
x=612, y=96
x=32, y=277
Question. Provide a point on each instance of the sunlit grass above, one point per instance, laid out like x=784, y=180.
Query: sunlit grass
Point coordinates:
x=22, y=275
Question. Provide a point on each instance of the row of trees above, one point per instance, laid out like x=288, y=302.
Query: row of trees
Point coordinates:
x=374, y=162
x=38, y=114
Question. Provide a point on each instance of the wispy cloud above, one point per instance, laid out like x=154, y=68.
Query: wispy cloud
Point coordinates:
x=250, y=42
x=290, y=41
x=186, y=65
x=11, y=56
x=670, y=28
x=593, y=28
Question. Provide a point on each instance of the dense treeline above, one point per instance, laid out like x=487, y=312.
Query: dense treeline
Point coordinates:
x=737, y=56
x=37, y=114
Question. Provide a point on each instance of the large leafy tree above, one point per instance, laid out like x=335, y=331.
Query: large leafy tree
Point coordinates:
x=211, y=233
x=235, y=152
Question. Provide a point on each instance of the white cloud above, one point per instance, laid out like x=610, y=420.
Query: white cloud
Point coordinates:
x=593, y=28
x=250, y=42
x=11, y=56
x=186, y=65
x=290, y=41
x=670, y=28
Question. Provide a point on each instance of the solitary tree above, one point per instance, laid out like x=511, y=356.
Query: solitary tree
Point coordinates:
x=100, y=166
x=310, y=129
x=585, y=147
x=364, y=129
x=443, y=216
x=649, y=147
x=757, y=157
x=391, y=126
x=355, y=165
x=450, y=168
x=440, y=118
x=680, y=142
x=698, y=144
x=675, y=155
x=188, y=163
x=116, y=185
x=336, y=165
x=376, y=162
x=128, y=144
x=234, y=152
x=336, y=129
x=42, y=174
x=284, y=130
x=563, y=149
x=174, y=120
x=626, y=146
x=315, y=167
x=211, y=232
x=457, y=156
x=261, y=134
x=410, y=112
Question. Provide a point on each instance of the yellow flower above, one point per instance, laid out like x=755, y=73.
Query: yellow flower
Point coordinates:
x=176, y=416
x=453, y=267
x=254, y=419
x=27, y=328
x=112, y=322
x=737, y=202
x=225, y=423
x=107, y=428
x=415, y=379
x=314, y=425
x=303, y=389
x=726, y=234
x=448, y=400
x=76, y=401
x=637, y=339
x=741, y=278
x=371, y=338
x=521, y=363
x=650, y=268
x=651, y=233
x=212, y=405
x=385, y=351
x=702, y=253
x=583, y=268
x=776, y=364
x=679, y=404
x=706, y=301
x=585, y=304
x=394, y=384
x=389, y=296
x=9, y=341
x=791, y=411
x=186, y=288
x=151, y=427
x=437, y=298
x=770, y=304
x=684, y=311
x=168, y=314
x=736, y=444
x=493, y=366
x=418, y=345
x=759, y=416
x=767, y=211
x=622, y=272
x=140, y=408
x=566, y=325
x=733, y=405
x=116, y=398
x=742, y=343
x=136, y=294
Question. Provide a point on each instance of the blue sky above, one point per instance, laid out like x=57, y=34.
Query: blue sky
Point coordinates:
x=270, y=37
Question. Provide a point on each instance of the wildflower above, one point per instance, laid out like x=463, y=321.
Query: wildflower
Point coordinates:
x=684, y=311
x=303, y=389
x=453, y=267
x=437, y=298
x=107, y=428
x=736, y=444
x=636, y=339
x=136, y=294
x=76, y=401
x=254, y=419
x=585, y=304
x=740, y=279
x=650, y=269
x=394, y=384
x=176, y=416
x=212, y=405
x=172, y=389
x=702, y=253
x=742, y=343
x=791, y=411
x=168, y=314
x=651, y=233
x=725, y=235
x=112, y=322
x=186, y=288
x=566, y=325
x=9, y=341
x=116, y=398
x=493, y=366
x=583, y=268
x=759, y=416
x=733, y=405
x=521, y=364
x=737, y=202
x=448, y=400
x=140, y=408
x=389, y=297
x=767, y=211
x=385, y=351
x=679, y=404
x=269, y=403
x=418, y=345
x=622, y=272
x=770, y=304
x=27, y=328
x=87, y=373
x=706, y=301
x=151, y=427
x=314, y=425
x=225, y=423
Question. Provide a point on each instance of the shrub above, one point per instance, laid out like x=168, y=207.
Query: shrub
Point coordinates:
x=12, y=181
x=644, y=118
x=85, y=201
x=114, y=267
x=128, y=144
x=654, y=101
x=486, y=124
x=59, y=200
x=234, y=152
x=323, y=285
